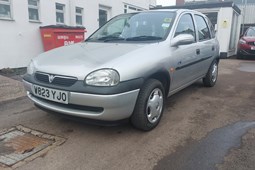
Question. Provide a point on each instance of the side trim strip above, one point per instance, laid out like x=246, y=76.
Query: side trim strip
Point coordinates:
x=192, y=63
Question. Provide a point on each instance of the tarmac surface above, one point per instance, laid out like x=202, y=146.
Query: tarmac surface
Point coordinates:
x=202, y=128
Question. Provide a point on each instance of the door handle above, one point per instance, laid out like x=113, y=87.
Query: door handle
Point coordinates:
x=213, y=48
x=180, y=62
x=198, y=51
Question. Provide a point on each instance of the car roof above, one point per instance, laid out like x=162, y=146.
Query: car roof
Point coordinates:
x=178, y=11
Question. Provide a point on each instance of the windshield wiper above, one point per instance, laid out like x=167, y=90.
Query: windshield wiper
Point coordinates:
x=144, y=38
x=114, y=39
x=110, y=38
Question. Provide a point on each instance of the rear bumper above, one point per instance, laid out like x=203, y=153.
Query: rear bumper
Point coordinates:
x=104, y=107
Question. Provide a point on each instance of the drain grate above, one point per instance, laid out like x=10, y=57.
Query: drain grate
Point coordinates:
x=20, y=143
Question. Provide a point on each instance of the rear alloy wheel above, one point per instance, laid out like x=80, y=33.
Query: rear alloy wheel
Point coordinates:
x=212, y=75
x=149, y=106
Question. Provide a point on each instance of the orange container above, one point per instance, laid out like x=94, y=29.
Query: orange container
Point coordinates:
x=54, y=36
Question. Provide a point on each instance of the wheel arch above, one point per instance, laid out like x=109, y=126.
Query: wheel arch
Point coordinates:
x=164, y=77
x=217, y=59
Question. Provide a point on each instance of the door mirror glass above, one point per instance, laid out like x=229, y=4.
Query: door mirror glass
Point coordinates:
x=182, y=39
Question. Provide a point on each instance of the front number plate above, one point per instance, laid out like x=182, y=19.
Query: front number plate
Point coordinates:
x=50, y=94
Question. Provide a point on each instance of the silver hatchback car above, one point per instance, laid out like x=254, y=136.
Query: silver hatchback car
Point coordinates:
x=127, y=68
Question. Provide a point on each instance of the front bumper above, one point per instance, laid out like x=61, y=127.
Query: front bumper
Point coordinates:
x=114, y=107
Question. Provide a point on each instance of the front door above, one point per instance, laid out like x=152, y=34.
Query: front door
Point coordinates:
x=185, y=56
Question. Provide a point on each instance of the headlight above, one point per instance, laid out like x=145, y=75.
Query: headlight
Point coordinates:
x=242, y=41
x=30, y=68
x=104, y=77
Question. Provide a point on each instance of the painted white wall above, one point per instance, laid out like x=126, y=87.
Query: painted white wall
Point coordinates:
x=238, y=31
x=224, y=29
x=20, y=39
x=249, y=13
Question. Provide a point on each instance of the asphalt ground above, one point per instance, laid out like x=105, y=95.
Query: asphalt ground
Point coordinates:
x=202, y=128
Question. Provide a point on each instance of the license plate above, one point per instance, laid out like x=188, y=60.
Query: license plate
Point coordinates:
x=50, y=94
x=253, y=48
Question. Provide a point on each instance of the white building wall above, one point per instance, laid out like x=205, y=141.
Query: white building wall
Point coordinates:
x=20, y=39
x=224, y=28
x=238, y=30
x=249, y=17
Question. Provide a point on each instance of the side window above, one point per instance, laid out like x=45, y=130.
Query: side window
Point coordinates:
x=115, y=28
x=185, y=26
x=33, y=10
x=5, y=9
x=211, y=27
x=202, y=28
x=60, y=13
x=79, y=16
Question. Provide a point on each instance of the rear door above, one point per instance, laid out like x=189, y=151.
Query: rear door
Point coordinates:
x=206, y=43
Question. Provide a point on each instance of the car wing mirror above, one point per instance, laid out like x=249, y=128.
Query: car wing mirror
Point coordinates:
x=182, y=39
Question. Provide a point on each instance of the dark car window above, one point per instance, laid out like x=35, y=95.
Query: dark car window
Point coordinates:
x=185, y=26
x=202, y=28
x=211, y=27
x=250, y=32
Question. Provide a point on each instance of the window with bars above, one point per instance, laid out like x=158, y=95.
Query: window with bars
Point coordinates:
x=33, y=10
x=130, y=8
x=5, y=9
x=79, y=16
x=60, y=13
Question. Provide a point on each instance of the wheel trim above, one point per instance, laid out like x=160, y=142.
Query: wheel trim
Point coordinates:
x=214, y=72
x=154, y=105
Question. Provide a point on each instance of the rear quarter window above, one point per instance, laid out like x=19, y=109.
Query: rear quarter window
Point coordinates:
x=211, y=27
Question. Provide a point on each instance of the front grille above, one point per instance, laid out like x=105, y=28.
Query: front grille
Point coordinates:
x=249, y=52
x=63, y=81
x=42, y=77
x=95, y=110
x=56, y=79
x=251, y=43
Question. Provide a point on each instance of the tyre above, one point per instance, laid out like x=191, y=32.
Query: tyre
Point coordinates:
x=212, y=75
x=149, y=106
x=240, y=56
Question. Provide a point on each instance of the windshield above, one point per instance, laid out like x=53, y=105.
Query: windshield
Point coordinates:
x=251, y=32
x=147, y=26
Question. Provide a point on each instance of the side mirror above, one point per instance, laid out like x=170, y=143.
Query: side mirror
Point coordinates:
x=182, y=39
